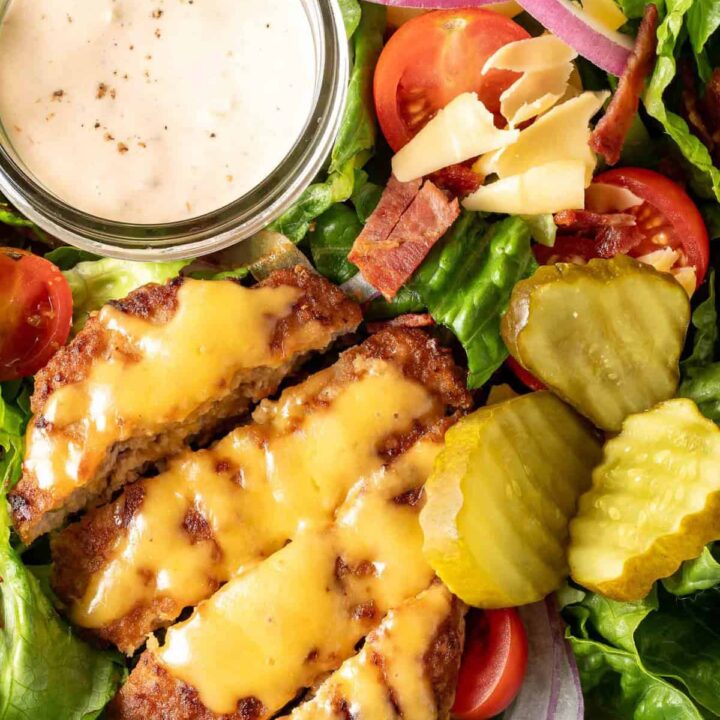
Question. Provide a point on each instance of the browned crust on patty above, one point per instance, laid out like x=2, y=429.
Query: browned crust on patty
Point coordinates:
x=443, y=657
x=152, y=692
x=84, y=547
x=36, y=510
x=321, y=301
x=422, y=359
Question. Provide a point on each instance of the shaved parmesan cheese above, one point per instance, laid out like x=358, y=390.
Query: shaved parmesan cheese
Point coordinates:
x=606, y=12
x=687, y=277
x=546, y=188
x=532, y=55
x=534, y=93
x=462, y=130
x=603, y=198
x=662, y=259
x=561, y=134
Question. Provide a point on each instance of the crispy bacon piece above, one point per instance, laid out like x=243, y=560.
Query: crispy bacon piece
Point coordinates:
x=459, y=180
x=387, y=256
x=394, y=202
x=583, y=220
x=610, y=133
x=410, y=320
x=619, y=240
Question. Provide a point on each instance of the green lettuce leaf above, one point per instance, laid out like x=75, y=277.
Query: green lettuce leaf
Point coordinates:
x=700, y=375
x=705, y=177
x=542, y=228
x=407, y=300
x=356, y=139
x=466, y=281
x=366, y=195
x=703, y=19
x=617, y=680
x=94, y=284
x=702, y=573
x=351, y=12
x=68, y=257
x=705, y=323
x=681, y=642
x=10, y=216
x=332, y=239
x=46, y=673
x=617, y=687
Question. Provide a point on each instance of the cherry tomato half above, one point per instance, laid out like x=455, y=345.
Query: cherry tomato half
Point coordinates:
x=434, y=58
x=35, y=312
x=667, y=217
x=493, y=665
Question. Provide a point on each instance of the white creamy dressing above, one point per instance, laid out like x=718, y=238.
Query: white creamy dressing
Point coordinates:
x=150, y=112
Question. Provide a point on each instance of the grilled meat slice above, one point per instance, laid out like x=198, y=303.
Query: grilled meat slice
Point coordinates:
x=286, y=623
x=170, y=541
x=407, y=668
x=164, y=365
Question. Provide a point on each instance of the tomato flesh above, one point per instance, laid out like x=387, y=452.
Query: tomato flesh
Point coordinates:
x=667, y=217
x=434, y=58
x=493, y=665
x=35, y=312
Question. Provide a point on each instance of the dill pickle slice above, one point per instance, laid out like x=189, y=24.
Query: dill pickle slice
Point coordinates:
x=654, y=502
x=606, y=336
x=501, y=496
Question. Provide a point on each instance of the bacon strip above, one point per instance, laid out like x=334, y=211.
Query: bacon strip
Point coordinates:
x=409, y=320
x=459, y=180
x=583, y=220
x=395, y=200
x=387, y=261
x=609, y=135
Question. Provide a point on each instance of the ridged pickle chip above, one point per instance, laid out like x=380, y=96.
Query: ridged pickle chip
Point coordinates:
x=606, y=336
x=654, y=502
x=501, y=496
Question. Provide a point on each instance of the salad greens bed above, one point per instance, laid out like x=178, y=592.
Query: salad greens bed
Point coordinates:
x=650, y=660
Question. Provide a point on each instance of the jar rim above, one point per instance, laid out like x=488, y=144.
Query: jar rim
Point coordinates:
x=225, y=226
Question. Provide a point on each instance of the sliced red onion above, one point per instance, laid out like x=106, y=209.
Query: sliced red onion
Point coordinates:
x=551, y=690
x=435, y=4
x=359, y=289
x=608, y=49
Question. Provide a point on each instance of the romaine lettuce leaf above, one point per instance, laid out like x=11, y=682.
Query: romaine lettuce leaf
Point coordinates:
x=702, y=573
x=350, y=10
x=700, y=377
x=95, y=283
x=10, y=216
x=705, y=177
x=703, y=19
x=356, y=139
x=609, y=639
x=46, y=673
x=332, y=239
x=681, y=642
x=466, y=282
x=617, y=687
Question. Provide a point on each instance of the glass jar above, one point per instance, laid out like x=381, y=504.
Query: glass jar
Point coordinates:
x=221, y=228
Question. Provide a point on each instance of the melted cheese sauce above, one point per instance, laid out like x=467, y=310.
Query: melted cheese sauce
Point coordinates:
x=283, y=624
x=256, y=489
x=401, y=642
x=154, y=112
x=155, y=375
